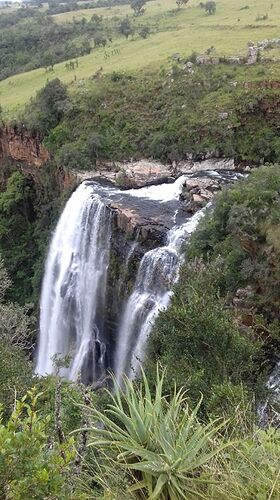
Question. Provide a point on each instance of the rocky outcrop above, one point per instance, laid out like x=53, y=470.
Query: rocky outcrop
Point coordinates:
x=255, y=50
x=149, y=231
x=130, y=174
x=142, y=173
x=21, y=145
x=198, y=192
x=212, y=164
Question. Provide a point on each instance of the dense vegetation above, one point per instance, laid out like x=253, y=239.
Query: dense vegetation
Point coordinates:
x=28, y=211
x=166, y=117
x=222, y=331
x=189, y=428
x=30, y=39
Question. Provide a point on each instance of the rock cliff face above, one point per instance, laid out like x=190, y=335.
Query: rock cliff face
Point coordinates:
x=21, y=145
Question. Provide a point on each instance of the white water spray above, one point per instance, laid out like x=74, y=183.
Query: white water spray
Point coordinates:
x=74, y=287
x=157, y=273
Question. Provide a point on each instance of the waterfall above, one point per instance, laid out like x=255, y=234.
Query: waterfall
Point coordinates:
x=157, y=273
x=74, y=288
x=74, y=318
x=266, y=411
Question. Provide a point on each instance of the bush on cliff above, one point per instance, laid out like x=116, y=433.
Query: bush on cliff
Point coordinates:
x=243, y=232
x=47, y=109
x=197, y=339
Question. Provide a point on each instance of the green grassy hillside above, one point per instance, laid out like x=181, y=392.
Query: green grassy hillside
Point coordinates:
x=184, y=31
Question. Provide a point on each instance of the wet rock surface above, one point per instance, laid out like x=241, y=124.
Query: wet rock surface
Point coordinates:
x=146, y=214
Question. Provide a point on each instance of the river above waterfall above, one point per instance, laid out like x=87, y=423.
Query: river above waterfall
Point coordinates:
x=75, y=317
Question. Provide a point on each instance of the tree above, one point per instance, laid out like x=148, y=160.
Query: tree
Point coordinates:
x=138, y=7
x=125, y=27
x=49, y=60
x=85, y=47
x=210, y=7
x=47, y=109
x=100, y=41
x=69, y=156
x=181, y=2
x=94, y=145
x=144, y=32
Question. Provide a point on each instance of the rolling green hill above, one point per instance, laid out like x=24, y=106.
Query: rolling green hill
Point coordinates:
x=185, y=31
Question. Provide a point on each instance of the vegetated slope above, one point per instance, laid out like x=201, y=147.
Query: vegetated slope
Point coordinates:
x=164, y=116
x=35, y=40
x=171, y=30
x=223, y=327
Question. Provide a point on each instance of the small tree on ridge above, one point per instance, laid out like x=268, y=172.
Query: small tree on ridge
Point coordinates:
x=138, y=7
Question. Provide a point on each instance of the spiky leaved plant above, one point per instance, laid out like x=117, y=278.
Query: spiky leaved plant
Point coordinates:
x=158, y=440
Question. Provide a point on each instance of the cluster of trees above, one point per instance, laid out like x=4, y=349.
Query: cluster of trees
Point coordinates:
x=138, y=107
x=126, y=28
x=32, y=41
x=30, y=38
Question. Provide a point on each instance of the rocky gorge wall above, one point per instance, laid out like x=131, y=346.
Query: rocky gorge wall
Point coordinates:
x=19, y=144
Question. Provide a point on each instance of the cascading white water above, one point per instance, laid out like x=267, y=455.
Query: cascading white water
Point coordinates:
x=74, y=305
x=266, y=411
x=74, y=287
x=157, y=273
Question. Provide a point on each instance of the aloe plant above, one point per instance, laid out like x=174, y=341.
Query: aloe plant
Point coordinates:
x=159, y=441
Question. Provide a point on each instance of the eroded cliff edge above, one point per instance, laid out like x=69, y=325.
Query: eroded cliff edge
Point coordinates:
x=19, y=144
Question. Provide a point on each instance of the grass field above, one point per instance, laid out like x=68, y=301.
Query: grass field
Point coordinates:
x=188, y=30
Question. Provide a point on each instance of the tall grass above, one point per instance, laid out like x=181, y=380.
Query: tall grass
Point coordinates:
x=158, y=441
x=153, y=447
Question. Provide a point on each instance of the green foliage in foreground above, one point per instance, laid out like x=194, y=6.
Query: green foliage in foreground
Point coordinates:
x=155, y=448
x=159, y=441
x=30, y=466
